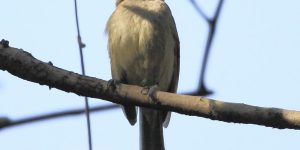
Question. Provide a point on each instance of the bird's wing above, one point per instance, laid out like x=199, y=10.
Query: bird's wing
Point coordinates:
x=174, y=82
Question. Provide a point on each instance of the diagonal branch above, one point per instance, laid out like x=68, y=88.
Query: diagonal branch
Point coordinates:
x=199, y=10
x=5, y=122
x=22, y=64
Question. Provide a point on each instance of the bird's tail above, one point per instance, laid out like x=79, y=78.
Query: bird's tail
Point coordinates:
x=151, y=129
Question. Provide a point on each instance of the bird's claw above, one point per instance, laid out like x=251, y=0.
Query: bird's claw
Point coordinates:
x=150, y=91
x=112, y=83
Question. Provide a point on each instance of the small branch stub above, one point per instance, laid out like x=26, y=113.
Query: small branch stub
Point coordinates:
x=4, y=43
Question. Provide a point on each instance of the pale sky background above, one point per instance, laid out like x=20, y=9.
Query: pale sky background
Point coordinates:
x=254, y=60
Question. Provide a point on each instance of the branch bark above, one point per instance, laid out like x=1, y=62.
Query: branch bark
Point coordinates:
x=22, y=64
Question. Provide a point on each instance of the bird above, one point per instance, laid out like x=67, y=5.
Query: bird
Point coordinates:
x=144, y=50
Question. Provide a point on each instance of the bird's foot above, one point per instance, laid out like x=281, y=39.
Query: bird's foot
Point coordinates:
x=150, y=91
x=112, y=83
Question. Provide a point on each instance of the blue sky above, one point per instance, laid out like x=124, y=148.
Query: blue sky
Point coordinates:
x=254, y=60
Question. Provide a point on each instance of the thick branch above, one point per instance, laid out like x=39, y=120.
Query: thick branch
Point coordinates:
x=22, y=64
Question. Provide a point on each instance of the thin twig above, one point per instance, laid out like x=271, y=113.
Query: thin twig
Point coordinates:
x=199, y=10
x=212, y=22
x=81, y=45
x=5, y=122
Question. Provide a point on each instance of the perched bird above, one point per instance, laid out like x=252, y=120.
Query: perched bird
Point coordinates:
x=144, y=50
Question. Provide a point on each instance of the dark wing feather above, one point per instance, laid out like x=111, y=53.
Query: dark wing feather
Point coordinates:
x=174, y=82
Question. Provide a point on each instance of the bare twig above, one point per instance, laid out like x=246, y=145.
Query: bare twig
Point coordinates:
x=81, y=45
x=5, y=122
x=212, y=22
x=199, y=10
x=25, y=66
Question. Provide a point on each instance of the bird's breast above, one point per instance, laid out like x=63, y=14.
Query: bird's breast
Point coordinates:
x=141, y=45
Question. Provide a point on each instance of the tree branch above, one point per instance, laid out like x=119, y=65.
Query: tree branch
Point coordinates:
x=22, y=64
x=5, y=122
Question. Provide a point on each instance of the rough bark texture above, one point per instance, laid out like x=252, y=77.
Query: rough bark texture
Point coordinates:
x=23, y=65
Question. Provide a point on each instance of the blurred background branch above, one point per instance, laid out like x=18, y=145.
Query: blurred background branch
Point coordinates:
x=81, y=45
x=212, y=23
x=6, y=122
